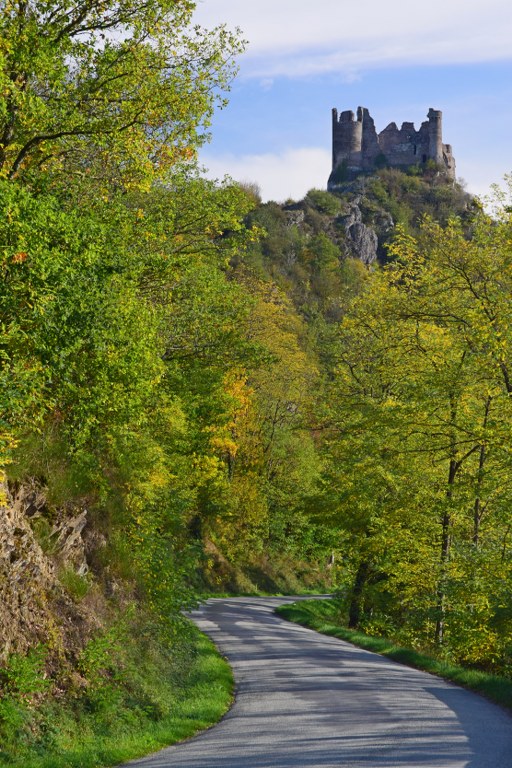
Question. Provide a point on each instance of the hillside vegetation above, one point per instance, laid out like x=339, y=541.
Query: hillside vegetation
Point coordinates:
x=202, y=393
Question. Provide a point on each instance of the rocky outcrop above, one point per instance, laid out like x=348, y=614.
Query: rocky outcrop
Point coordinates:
x=70, y=544
x=36, y=548
x=361, y=240
x=27, y=576
x=294, y=217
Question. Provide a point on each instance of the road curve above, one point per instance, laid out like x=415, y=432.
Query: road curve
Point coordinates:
x=309, y=701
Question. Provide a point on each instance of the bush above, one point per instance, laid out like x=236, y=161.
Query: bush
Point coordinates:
x=22, y=681
x=323, y=201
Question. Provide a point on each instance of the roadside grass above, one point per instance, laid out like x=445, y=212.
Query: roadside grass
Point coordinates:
x=322, y=616
x=207, y=595
x=106, y=735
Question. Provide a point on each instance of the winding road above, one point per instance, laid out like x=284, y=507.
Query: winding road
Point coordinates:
x=309, y=701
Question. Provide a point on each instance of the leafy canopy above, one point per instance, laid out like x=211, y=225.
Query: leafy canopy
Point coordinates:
x=119, y=90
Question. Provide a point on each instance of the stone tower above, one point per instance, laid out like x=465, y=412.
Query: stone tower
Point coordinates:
x=358, y=149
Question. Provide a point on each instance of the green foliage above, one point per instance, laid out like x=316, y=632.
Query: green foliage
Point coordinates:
x=419, y=458
x=76, y=585
x=44, y=534
x=124, y=337
x=22, y=681
x=23, y=675
x=117, y=338
x=171, y=360
x=323, y=201
x=119, y=92
x=138, y=692
x=303, y=253
x=408, y=197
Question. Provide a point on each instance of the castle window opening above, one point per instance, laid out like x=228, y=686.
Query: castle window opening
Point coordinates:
x=415, y=149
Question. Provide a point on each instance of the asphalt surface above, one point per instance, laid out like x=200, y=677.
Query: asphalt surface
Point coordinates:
x=309, y=701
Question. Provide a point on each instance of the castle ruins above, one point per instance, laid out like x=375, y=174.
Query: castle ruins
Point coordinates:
x=357, y=148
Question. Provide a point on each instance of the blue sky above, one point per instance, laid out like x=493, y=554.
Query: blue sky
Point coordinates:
x=397, y=59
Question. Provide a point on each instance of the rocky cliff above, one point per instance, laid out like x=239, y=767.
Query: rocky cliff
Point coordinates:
x=45, y=594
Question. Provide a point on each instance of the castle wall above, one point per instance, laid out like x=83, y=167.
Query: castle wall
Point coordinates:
x=404, y=146
x=357, y=148
x=370, y=149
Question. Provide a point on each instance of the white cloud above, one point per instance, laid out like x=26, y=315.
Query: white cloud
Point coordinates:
x=279, y=176
x=297, y=38
x=480, y=175
x=292, y=173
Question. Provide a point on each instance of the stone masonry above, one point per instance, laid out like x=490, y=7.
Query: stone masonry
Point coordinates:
x=357, y=148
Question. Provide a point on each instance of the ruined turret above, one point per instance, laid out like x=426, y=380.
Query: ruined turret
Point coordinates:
x=435, y=133
x=358, y=149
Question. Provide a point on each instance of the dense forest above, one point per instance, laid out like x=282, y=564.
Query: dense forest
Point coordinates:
x=202, y=393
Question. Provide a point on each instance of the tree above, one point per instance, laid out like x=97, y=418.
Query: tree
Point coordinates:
x=422, y=415
x=119, y=91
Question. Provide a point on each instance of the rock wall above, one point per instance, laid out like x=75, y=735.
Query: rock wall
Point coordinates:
x=27, y=578
x=362, y=241
x=34, y=605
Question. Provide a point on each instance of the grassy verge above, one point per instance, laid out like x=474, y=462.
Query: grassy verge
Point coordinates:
x=152, y=707
x=322, y=615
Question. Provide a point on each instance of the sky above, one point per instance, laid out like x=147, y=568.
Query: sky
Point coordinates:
x=398, y=59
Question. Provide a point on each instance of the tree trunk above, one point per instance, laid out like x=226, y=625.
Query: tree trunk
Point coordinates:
x=356, y=600
x=477, y=509
x=446, y=524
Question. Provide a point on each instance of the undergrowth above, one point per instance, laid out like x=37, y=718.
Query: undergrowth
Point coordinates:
x=136, y=693
x=324, y=617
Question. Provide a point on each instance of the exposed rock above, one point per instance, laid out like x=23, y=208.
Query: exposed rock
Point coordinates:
x=27, y=577
x=294, y=217
x=70, y=543
x=362, y=241
x=34, y=606
x=352, y=215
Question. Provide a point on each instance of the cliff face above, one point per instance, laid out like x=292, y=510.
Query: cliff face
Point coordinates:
x=37, y=559
x=361, y=240
x=27, y=578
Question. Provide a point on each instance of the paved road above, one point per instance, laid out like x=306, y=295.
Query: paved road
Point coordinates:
x=309, y=701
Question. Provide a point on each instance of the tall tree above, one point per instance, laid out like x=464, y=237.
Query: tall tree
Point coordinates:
x=117, y=90
x=424, y=410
